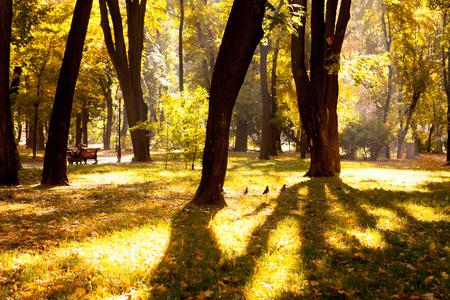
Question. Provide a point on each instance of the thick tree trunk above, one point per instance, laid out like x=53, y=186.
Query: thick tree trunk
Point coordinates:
x=265, y=132
x=128, y=66
x=54, y=172
x=241, y=136
x=8, y=161
x=304, y=144
x=241, y=37
x=318, y=92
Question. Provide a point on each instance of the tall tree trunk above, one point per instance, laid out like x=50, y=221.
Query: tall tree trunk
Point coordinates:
x=446, y=70
x=275, y=137
x=241, y=37
x=54, y=172
x=8, y=161
x=386, y=26
x=265, y=132
x=317, y=92
x=404, y=130
x=128, y=66
x=180, y=47
x=241, y=135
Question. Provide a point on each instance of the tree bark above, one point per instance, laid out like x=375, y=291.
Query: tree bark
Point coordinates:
x=265, y=132
x=8, y=161
x=128, y=66
x=54, y=172
x=241, y=136
x=446, y=71
x=318, y=92
x=275, y=131
x=107, y=93
x=180, y=47
x=386, y=26
x=241, y=37
x=78, y=129
x=84, y=123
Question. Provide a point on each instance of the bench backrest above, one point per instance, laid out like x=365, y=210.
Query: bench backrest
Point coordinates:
x=89, y=152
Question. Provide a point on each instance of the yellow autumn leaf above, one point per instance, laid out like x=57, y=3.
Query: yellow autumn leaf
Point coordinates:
x=432, y=246
x=444, y=275
x=79, y=293
x=162, y=288
x=27, y=295
x=429, y=279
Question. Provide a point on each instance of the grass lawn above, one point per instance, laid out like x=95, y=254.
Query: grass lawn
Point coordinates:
x=380, y=230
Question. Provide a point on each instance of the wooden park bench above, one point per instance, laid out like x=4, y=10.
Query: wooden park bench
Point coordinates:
x=81, y=155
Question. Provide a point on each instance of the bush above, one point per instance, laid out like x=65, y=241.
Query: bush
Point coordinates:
x=366, y=135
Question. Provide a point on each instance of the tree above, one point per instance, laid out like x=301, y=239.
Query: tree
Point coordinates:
x=317, y=92
x=8, y=162
x=54, y=172
x=128, y=66
x=267, y=101
x=180, y=47
x=446, y=73
x=241, y=37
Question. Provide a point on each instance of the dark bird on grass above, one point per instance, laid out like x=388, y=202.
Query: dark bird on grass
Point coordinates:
x=283, y=189
x=266, y=190
x=246, y=191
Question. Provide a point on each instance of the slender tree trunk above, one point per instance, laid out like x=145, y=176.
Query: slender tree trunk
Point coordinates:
x=54, y=172
x=404, y=131
x=180, y=46
x=8, y=161
x=386, y=26
x=265, y=132
x=84, y=123
x=241, y=37
x=429, y=138
x=275, y=139
x=35, y=128
x=41, y=136
x=241, y=135
x=107, y=94
x=78, y=129
x=318, y=91
x=446, y=71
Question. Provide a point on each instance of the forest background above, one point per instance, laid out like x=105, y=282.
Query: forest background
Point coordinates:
x=393, y=79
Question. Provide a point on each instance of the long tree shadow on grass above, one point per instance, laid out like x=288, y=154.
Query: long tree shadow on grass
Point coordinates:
x=35, y=218
x=349, y=243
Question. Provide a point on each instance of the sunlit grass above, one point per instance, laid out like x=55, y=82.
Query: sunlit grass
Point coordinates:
x=381, y=230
